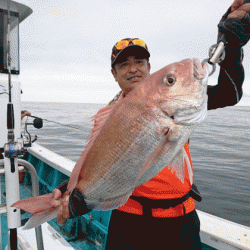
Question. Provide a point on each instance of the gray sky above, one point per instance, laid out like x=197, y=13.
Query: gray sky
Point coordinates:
x=65, y=45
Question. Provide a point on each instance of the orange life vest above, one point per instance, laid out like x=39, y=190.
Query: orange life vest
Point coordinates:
x=164, y=185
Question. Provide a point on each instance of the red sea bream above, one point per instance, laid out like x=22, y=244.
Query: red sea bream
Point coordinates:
x=135, y=138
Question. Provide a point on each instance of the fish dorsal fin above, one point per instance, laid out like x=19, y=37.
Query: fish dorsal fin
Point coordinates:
x=100, y=119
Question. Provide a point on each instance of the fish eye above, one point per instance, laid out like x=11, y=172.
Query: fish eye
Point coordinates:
x=169, y=80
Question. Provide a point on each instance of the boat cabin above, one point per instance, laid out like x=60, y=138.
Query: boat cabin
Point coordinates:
x=18, y=12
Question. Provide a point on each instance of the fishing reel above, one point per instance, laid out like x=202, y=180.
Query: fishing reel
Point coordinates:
x=37, y=123
x=15, y=149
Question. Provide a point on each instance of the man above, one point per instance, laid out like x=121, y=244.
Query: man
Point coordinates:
x=161, y=214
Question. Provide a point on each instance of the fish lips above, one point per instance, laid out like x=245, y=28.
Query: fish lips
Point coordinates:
x=200, y=70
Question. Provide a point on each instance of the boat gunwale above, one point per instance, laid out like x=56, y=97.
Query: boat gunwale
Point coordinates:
x=215, y=232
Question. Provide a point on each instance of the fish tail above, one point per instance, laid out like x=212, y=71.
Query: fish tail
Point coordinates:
x=40, y=218
x=40, y=207
x=36, y=204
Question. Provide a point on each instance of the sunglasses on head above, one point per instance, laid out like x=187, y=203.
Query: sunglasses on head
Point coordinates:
x=124, y=43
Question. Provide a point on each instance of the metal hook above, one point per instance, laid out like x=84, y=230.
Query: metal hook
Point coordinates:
x=214, y=66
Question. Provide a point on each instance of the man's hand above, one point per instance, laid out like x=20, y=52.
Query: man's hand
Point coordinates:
x=235, y=25
x=24, y=113
x=63, y=203
x=63, y=212
x=57, y=195
x=239, y=9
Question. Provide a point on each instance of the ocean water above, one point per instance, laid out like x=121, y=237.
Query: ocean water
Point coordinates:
x=219, y=148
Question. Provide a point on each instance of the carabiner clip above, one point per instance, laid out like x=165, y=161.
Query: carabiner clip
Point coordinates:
x=216, y=55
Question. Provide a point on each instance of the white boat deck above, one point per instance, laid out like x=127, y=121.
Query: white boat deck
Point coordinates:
x=51, y=239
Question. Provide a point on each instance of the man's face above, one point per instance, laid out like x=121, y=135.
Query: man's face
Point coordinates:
x=130, y=72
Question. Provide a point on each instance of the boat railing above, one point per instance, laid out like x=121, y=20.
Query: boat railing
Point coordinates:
x=35, y=192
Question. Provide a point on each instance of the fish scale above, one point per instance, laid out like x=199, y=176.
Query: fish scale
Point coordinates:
x=109, y=144
x=131, y=157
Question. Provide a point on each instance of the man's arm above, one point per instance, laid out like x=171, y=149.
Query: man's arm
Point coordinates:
x=235, y=27
x=228, y=91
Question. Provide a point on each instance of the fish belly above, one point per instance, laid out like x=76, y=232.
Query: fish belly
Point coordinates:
x=123, y=165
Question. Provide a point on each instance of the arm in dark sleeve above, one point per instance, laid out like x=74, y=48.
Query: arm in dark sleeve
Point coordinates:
x=228, y=91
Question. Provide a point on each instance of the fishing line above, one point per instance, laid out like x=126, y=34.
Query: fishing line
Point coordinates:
x=58, y=123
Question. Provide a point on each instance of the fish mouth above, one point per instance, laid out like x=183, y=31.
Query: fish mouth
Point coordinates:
x=200, y=70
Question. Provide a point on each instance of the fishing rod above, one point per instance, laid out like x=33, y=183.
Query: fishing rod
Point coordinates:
x=11, y=145
x=11, y=152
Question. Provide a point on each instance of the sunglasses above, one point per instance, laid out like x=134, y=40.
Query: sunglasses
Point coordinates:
x=124, y=43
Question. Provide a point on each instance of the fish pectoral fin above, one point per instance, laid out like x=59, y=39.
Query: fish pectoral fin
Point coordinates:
x=155, y=155
x=177, y=166
x=174, y=133
x=189, y=167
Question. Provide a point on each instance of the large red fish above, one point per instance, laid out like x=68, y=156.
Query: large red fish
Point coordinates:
x=134, y=139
